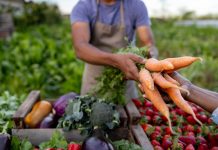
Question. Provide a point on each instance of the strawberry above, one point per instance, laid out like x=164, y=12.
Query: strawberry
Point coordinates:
x=214, y=148
x=189, y=128
x=149, y=112
x=155, y=135
x=155, y=143
x=156, y=119
x=158, y=148
x=158, y=128
x=163, y=118
x=188, y=139
x=166, y=136
x=137, y=102
x=209, y=121
x=202, y=147
x=147, y=118
x=190, y=134
x=148, y=104
x=203, y=118
x=190, y=147
x=191, y=120
x=166, y=143
x=201, y=140
x=194, y=109
x=212, y=140
x=198, y=129
x=168, y=131
x=181, y=112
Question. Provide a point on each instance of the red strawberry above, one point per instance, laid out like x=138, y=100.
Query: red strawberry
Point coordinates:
x=202, y=147
x=148, y=104
x=137, y=102
x=191, y=120
x=198, y=129
x=190, y=134
x=203, y=118
x=166, y=136
x=156, y=119
x=214, y=148
x=168, y=131
x=158, y=128
x=155, y=135
x=166, y=143
x=181, y=112
x=188, y=139
x=158, y=148
x=209, y=121
x=189, y=128
x=190, y=147
x=212, y=140
x=201, y=140
x=163, y=118
x=155, y=143
x=194, y=109
x=149, y=112
x=148, y=118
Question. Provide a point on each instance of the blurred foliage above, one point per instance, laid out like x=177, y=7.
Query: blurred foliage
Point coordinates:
x=38, y=13
x=41, y=57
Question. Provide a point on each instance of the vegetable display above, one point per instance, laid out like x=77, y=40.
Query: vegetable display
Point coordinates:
x=86, y=112
x=39, y=111
x=189, y=133
x=61, y=103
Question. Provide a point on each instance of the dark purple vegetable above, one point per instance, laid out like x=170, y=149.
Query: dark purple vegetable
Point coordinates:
x=97, y=142
x=4, y=141
x=49, y=121
x=61, y=103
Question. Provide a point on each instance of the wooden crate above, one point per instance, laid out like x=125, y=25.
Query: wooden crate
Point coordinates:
x=133, y=113
x=36, y=136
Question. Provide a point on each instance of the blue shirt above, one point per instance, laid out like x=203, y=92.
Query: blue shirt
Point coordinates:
x=135, y=14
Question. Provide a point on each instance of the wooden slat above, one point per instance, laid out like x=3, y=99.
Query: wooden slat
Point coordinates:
x=37, y=136
x=25, y=108
x=141, y=138
x=133, y=113
x=123, y=116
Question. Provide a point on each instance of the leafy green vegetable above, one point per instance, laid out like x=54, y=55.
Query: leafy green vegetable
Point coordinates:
x=126, y=145
x=111, y=83
x=17, y=144
x=8, y=106
x=86, y=112
x=57, y=141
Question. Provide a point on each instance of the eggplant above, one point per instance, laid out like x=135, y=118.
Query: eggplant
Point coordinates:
x=49, y=121
x=61, y=103
x=4, y=141
x=97, y=142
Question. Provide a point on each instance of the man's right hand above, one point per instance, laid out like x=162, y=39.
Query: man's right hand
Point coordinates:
x=127, y=64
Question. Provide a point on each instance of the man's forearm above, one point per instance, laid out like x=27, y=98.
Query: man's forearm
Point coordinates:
x=202, y=97
x=93, y=55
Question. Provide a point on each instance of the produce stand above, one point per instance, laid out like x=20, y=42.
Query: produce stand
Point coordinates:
x=36, y=136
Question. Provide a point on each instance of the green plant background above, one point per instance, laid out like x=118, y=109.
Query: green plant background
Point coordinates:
x=42, y=56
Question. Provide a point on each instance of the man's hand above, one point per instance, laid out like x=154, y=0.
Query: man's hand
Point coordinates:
x=127, y=64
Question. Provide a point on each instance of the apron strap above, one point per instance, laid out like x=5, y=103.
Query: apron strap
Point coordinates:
x=122, y=21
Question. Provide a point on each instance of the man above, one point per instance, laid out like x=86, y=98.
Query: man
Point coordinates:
x=101, y=26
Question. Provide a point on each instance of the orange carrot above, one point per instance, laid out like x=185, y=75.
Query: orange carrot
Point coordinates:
x=177, y=98
x=170, y=79
x=181, y=62
x=155, y=65
x=145, y=77
x=155, y=97
x=164, y=84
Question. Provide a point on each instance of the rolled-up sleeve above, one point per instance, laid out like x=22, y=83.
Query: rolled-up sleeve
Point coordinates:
x=141, y=14
x=80, y=13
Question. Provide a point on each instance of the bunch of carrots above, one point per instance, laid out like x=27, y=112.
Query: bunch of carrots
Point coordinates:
x=155, y=73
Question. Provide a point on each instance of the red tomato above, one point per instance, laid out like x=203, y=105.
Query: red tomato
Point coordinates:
x=73, y=146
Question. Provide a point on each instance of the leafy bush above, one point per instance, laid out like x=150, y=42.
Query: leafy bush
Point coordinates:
x=40, y=58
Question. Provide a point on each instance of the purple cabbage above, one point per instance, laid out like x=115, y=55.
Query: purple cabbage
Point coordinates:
x=61, y=103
